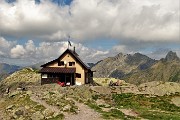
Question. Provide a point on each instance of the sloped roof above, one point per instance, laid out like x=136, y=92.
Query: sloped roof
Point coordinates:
x=57, y=70
x=75, y=56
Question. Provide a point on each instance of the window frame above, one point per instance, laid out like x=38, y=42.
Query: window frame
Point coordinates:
x=71, y=63
x=61, y=63
x=78, y=75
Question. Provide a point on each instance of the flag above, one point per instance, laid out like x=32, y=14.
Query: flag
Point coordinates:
x=69, y=43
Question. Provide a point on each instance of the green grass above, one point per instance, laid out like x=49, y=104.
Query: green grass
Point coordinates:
x=112, y=114
x=143, y=101
x=21, y=100
x=145, y=105
x=39, y=108
x=95, y=97
x=61, y=102
x=160, y=115
x=94, y=106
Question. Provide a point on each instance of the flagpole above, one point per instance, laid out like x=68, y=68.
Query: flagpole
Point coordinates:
x=68, y=41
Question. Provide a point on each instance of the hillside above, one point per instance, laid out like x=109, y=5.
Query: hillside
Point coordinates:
x=139, y=68
x=153, y=100
x=6, y=69
x=121, y=65
x=20, y=78
x=167, y=69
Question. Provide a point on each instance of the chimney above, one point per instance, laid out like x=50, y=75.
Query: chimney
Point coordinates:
x=74, y=50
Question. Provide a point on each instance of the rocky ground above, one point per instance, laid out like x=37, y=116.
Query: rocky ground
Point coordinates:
x=82, y=102
x=84, y=113
x=29, y=100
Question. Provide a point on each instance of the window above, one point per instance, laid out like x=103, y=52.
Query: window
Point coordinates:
x=78, y=75
x=61, y=63
x=52, y=76
x=44, y=75
x=71, y=63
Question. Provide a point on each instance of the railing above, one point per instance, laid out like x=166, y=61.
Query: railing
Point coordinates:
x=49, y=80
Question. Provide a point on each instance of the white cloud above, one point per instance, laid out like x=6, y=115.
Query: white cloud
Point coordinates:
x=121, y=48
x=137, y=24
x=90, y=54
x=178, y=52
x=5, y=46
x=159, y=53
x=30, y=46
x=29, y=53
x=143, y=20
x=45, y=51
x=18, y=51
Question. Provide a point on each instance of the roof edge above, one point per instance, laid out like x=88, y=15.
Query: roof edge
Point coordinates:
x=73, y=54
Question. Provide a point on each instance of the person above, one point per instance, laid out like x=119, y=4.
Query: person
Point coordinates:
x=111, y=83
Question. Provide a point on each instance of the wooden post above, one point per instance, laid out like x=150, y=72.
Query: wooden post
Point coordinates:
x=71, y=79
x=75, y=78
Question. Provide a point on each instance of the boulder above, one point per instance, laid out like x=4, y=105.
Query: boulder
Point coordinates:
x=67, y=108
x=37, y=116
x=14, y=93
x=21, y=111
x=47, y=113
x=10, y=107
x=29, y=92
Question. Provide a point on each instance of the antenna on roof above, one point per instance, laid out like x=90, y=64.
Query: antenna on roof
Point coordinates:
x=69, y=43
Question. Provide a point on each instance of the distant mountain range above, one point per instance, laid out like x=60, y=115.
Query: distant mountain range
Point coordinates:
x=6, y=69
x=136, y=68
x=121, y=65
x=139, y=68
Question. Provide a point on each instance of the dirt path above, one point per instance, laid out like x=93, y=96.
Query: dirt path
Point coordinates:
x=42, y=102
x=1, y=110
x=1, y=113
x=85, y=113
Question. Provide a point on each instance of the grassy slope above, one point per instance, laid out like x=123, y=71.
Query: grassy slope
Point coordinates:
x=162, y=71
x=18, y=101
x=144, y=106
x=20, y=78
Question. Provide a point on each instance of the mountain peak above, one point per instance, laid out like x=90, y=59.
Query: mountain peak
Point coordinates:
x=119, y=55
x=139, y=55
x=171, y=56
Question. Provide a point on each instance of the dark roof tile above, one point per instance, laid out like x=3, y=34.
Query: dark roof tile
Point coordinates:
x=57, y=70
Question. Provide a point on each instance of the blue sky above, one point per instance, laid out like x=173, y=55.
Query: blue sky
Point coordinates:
x=34, y=31
x=58, y=2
